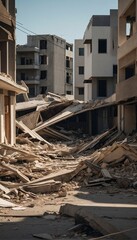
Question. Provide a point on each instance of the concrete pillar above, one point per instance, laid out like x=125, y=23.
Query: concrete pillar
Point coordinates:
x=7, y=51
x=13, y=118
x=2, y=122
x=121, y=120
x=87, y=91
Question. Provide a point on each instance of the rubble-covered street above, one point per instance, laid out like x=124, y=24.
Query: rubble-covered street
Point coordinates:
x=41, y=178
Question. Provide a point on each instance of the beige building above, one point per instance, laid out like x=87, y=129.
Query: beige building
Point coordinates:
x=45, y=63
x=100, y=58
x=79, y=69
x=8, y=86
x=126, y=90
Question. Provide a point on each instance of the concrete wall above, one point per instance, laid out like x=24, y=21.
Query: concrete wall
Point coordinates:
x=129, y=118
x=79, y=61
x=110, y=86
x=59, y=67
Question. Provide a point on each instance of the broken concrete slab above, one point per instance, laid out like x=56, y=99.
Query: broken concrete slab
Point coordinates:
x=107, y=214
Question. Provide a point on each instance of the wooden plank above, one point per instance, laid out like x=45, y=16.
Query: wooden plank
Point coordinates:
x=44, y=187
x=28, y=155
x=56, y=134
x=30, y=120
x=32, y=133
x=95, y=141
x=15, y=171
x=62, y=175
x=70, y=111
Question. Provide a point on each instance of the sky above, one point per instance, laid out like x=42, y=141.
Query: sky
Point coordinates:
x=65, y=18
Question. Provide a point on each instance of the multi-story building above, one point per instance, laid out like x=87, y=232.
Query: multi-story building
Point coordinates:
x=100, y=59
x=45, y=64
x=126, y=90
x=79, y=70
x=69, y=69
x=8, y=86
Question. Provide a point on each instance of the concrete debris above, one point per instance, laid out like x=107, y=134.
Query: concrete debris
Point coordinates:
x=37, y=166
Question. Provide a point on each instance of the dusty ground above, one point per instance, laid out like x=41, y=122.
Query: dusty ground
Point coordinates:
x=41, y=215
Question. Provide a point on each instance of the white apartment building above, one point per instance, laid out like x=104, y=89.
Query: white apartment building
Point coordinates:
x=45, y=63
x=100, y=59
x=79, y=69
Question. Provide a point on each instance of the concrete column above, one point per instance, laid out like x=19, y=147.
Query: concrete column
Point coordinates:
x=0, y=61
x=121, y=118
x=87, y=92
x=7, y=50
x=13, y=118
x=2, y=122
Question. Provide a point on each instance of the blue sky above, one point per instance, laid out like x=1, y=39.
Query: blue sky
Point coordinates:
x=65, y=18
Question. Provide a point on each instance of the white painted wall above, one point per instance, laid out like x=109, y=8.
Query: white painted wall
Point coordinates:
x=102, y=64
x=87, y=92
x=88, y=62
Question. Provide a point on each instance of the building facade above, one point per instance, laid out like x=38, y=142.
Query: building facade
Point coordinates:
x=8, y=86
x=100, y=60
x=126, y=90
x=45, y=63
x=79, y=69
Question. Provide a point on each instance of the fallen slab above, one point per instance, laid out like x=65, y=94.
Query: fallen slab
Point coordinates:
x=117, y=218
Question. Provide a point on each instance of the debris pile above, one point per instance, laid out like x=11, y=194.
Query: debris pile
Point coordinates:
x=113, y=164
x=37, y=166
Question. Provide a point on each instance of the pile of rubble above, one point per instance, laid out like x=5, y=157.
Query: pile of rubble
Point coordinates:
x=36, y=166
x=33, y=168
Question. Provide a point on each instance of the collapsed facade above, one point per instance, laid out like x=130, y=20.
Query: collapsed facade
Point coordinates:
x=45, y=64
x=8, y=86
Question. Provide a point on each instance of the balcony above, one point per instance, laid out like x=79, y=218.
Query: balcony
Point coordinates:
x=126, y=89
x=29, y=79
x=127, y=46
x=28, y=66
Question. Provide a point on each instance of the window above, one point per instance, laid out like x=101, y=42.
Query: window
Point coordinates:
x=43, y=74
x=69, y=92
x=81, y=70
x=67, y=78
x=22, y=76
x=31, y=91
x=67, y=62
x=102, y=45
x=130, y=71
x=114, y=70
x=43, y=44
x=130, y=22
x=81, y=51
x=81, y=91
x=43, y=90
x=22, y=60
x=102, y=88
x=43, y=59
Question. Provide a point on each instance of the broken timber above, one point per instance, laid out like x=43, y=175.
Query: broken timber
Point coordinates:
x=32, y=133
